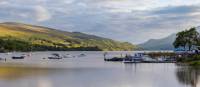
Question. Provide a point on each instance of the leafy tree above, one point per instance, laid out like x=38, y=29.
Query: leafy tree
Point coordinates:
x=187, y=38
x=180, y=40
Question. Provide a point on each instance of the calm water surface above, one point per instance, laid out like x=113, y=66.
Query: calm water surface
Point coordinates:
x=91, y=71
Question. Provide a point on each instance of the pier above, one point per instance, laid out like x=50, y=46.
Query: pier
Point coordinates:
x=145, y=58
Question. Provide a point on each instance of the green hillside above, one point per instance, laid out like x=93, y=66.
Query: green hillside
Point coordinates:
x=24, y=37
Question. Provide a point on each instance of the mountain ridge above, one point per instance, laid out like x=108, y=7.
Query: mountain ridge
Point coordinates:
x=159, y=44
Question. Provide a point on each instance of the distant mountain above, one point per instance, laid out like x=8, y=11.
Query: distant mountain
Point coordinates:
x=25, y=37
x=159, y=44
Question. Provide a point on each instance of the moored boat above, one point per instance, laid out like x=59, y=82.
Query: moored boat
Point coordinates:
x=18, y=57
x=68, y=56
x=55, y=56
x=81, y=55
x=137, y=58
x=114, y=59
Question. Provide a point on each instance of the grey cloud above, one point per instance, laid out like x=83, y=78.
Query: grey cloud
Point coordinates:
x=90, y=16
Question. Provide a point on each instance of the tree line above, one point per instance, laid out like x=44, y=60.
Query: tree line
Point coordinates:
x=9, y=44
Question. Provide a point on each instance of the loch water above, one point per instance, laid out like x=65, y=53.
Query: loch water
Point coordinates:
x=91, y=70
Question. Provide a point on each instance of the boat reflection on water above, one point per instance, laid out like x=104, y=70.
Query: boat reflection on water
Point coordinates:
x=188, y=75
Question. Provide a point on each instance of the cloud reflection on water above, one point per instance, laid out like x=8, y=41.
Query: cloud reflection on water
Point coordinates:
x=44, y=82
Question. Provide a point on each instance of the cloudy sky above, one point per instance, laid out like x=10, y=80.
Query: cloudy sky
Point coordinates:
x=134, y=21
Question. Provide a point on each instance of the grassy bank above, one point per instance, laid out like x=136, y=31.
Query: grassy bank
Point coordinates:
x=182, y=59
x=189, y=59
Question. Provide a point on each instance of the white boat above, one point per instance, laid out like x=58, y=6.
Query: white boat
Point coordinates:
x=137, y=58
x=67, y=56
x=55, y=56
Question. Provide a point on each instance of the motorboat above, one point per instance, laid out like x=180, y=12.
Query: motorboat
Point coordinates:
x=81, y=55
x=137, y=58
x=114, y=59
x=67, y=56
x=18, y=57
x=55, y=56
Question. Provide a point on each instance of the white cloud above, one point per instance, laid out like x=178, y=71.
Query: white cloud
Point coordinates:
x=24, y=15
x=41, y=1
x=42, y=14
x=4, y=2
x=81, y=4
x=68, y=1
x=129, y=5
